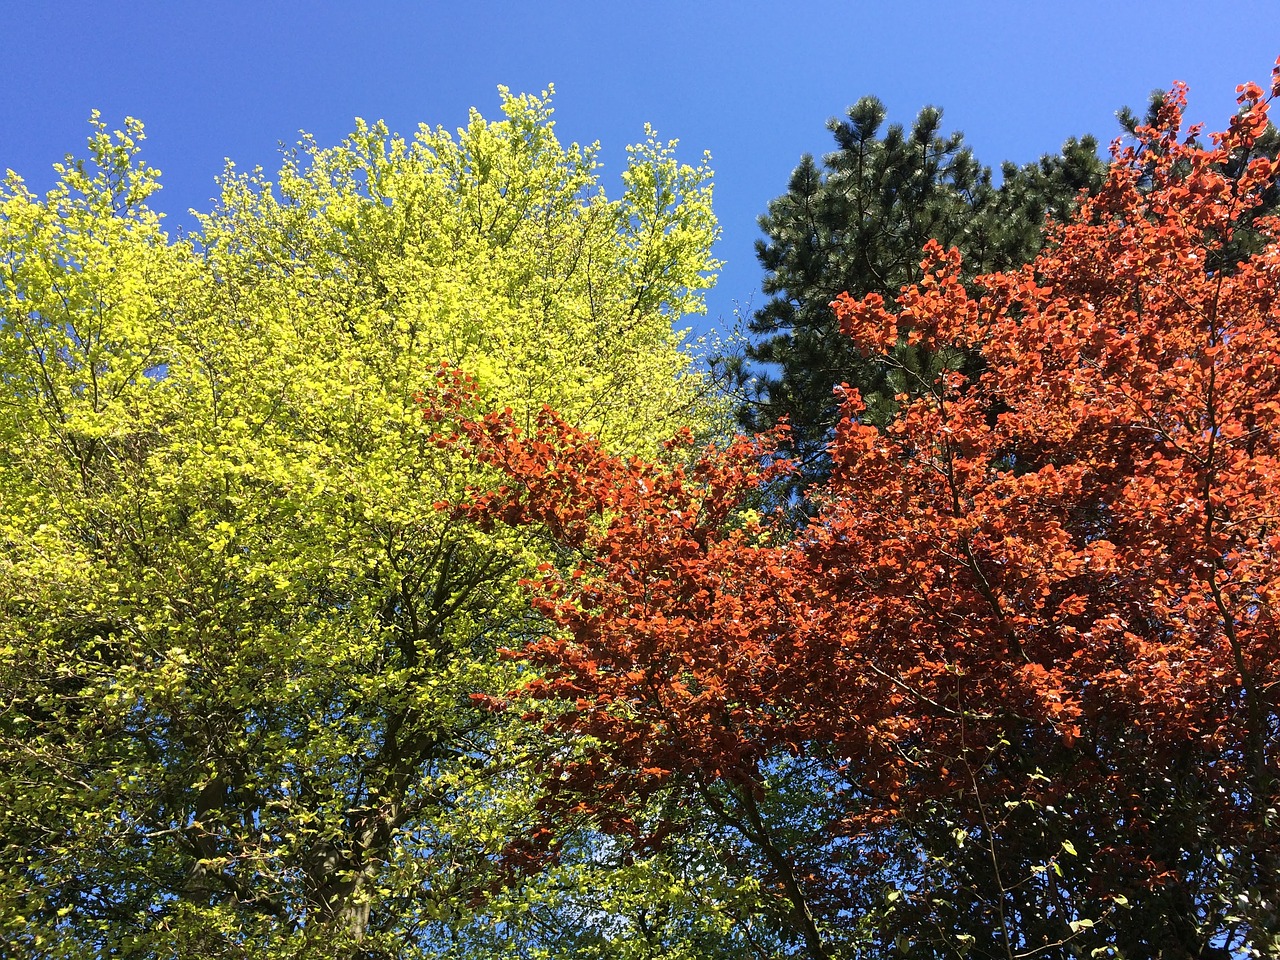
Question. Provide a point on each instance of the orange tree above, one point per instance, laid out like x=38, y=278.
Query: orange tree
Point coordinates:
x=1014, y=690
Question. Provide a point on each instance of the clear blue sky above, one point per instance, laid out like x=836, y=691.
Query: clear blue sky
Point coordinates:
x=750, y=80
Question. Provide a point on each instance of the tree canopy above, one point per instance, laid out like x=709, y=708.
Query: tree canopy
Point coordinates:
x=1023, y=658
x=240, y=643
x=379, y=577
x=856, y=224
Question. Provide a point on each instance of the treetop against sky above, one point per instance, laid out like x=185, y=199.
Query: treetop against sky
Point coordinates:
x=752, y=82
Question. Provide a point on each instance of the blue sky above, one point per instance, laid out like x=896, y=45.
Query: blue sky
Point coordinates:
x=751, y=81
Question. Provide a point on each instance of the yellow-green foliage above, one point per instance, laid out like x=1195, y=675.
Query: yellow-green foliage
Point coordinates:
x=237, y=641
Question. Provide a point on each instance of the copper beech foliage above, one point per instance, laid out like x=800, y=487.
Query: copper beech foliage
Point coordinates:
x=1055, y=584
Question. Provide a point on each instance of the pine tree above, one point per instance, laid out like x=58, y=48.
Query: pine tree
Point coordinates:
x=857, y=223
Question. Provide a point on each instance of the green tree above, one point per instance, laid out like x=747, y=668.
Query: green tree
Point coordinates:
x=857, y=223
x=240, y=643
